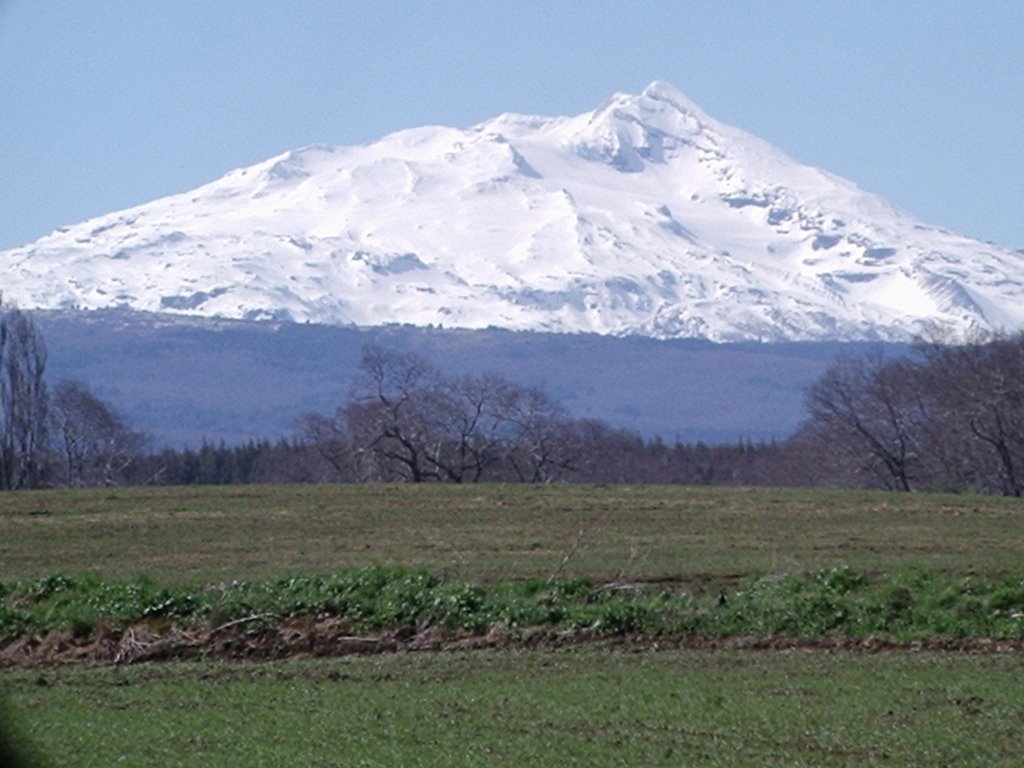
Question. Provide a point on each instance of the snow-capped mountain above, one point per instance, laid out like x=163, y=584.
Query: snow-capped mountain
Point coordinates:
x=643, y=217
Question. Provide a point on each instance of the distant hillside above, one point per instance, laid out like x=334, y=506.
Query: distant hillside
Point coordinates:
x=184, y=381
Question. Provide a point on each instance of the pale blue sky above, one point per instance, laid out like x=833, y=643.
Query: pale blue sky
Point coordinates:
x=106, y=104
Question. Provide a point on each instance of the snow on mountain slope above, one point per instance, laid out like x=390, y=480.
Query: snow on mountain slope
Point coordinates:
x=643, y=217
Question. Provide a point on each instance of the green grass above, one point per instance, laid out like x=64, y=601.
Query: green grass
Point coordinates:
x=836, y=602
x=791, y=562
x=218, y=534
x=527, y=709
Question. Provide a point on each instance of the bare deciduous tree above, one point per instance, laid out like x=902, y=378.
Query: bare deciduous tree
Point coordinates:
x=94, y=441
x=330, y=439
x=408, y=421
x=870, y=411
x=979, y=389
x=391, y=415
x=23, y=400
x=543, y=445
x=469, y=425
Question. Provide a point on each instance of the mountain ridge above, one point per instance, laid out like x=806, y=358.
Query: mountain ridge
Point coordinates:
x=644, y=217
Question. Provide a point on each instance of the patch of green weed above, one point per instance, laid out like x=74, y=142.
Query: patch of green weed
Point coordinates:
x=836, y=602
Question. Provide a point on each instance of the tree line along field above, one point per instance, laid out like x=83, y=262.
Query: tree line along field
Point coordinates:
x=599, y=703
x=934, y=418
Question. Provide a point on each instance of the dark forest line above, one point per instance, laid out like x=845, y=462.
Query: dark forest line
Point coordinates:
x=945, y=417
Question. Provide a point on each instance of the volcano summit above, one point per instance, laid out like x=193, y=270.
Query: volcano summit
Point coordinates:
x=644, y=217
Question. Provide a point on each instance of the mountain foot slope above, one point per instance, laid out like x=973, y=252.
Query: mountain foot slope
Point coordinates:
x=189, y=381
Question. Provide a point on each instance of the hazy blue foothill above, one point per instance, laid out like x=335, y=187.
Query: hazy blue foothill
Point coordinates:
x=187, y=380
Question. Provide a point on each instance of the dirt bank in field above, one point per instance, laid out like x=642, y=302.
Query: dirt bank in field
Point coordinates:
x=255, y=639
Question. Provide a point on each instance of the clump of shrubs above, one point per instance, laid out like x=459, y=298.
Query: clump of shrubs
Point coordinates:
x=837, y=602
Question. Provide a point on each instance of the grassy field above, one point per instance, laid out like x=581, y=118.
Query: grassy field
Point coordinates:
x=581, y=708
x=499, y=532
x=587, y=706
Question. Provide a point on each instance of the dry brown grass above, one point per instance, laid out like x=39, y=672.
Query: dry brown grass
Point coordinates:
x=489, y=532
